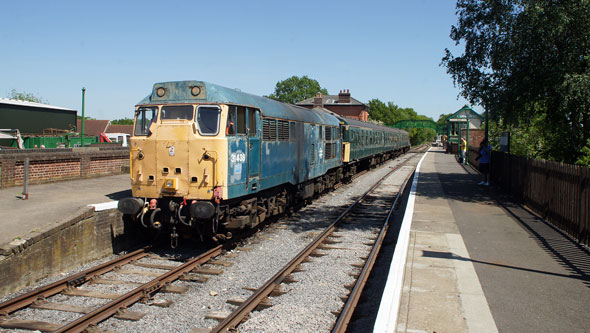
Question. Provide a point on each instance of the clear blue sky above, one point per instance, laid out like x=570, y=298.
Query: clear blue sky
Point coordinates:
x=390, y=50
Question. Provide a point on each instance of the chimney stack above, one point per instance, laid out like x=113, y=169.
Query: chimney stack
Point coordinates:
x=344, y=97
x=318, y=100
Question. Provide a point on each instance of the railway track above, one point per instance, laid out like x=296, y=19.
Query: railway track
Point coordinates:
x=118, y=304
x=365, y=208
x=169, y=271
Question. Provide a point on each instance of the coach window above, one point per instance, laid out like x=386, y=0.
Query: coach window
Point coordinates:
x=144, y=117
x=208, y=119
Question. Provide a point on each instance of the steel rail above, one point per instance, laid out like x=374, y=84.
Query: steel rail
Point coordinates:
x=128, y=299
x=348, y=310
x=56, y=287
x=265, y=290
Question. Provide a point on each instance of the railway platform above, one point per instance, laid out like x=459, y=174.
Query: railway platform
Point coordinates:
x=478, y=263
x=53, y=203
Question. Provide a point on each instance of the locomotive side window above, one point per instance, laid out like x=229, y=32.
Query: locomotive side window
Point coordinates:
x=144, y=117
x=208, y=120
x=230, y=128
x=241, y=112
x=252, y=122
x=177, y=112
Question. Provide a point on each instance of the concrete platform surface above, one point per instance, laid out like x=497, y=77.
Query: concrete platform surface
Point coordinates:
x=478, y=263
x=50, y=204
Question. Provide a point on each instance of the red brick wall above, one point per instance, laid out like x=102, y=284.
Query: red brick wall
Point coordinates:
x=475, y=136
x=46, y=171
x=49, y=165
x=107, y=165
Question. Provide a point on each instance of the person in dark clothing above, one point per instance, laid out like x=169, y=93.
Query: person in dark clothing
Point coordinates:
x=484, y=157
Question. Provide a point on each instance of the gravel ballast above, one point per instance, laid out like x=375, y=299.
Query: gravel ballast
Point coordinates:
x=308, y=304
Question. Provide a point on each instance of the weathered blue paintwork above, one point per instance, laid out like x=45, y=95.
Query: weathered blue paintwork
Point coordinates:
x=254, y=164
x=179, y=92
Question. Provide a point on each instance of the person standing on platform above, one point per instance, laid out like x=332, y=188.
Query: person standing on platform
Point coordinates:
x=484, y=157
x=464, y=150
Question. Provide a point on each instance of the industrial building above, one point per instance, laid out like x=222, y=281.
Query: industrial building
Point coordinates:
x=35, y=118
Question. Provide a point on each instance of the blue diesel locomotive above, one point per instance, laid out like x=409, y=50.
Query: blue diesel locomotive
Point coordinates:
x=209, y=160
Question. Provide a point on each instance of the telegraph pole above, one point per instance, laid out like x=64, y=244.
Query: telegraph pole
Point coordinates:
x=83, y=93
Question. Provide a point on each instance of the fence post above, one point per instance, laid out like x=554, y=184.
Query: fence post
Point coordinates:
x=25, y=195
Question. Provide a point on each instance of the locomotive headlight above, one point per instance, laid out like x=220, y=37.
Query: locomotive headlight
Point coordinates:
x=161, y=91
x=196, y=90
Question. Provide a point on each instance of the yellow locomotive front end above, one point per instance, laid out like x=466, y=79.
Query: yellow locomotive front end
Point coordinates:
x=174, y=152
x=177, y=175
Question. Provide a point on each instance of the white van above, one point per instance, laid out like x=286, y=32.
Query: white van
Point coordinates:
x=122, y=138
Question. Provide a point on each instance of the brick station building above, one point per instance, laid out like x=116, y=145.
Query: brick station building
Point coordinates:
x=341, y=104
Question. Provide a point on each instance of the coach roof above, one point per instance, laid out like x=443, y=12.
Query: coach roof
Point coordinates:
x=194, y=92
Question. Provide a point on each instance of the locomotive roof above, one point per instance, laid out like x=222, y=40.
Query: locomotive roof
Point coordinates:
x=205, y=92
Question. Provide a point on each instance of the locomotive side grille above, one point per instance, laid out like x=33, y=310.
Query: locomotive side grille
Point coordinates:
x=283, y=130
x=269, y=129
x=329, y=133
x=312, y=151
x=329, y=151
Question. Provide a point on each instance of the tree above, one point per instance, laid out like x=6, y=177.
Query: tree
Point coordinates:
x=296, y=89
x=526, y=61
x=123, y=121
x=388, y=114
x=27, y=97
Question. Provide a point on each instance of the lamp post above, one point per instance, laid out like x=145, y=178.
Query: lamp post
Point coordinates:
x=83, y=93
x=487, y=139
x=467, y=145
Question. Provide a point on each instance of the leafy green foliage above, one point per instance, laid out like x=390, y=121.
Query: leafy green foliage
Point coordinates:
x=528, y=64
x=388, y=114
x=123, y=121
x=584, y=158
x=296, y=89
x=27, y=97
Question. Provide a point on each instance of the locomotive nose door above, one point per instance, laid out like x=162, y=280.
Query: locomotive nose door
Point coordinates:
x=253, y=149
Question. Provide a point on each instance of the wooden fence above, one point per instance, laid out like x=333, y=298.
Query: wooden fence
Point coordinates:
x=559, y=192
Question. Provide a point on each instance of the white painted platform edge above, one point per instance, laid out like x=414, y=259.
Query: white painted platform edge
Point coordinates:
x=386, y=320
x=478, y=315
x=104, y=206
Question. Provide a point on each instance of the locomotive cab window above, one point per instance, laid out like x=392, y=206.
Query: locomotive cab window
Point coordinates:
x=208, y=119
x=144, y=117
x=177, y=112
